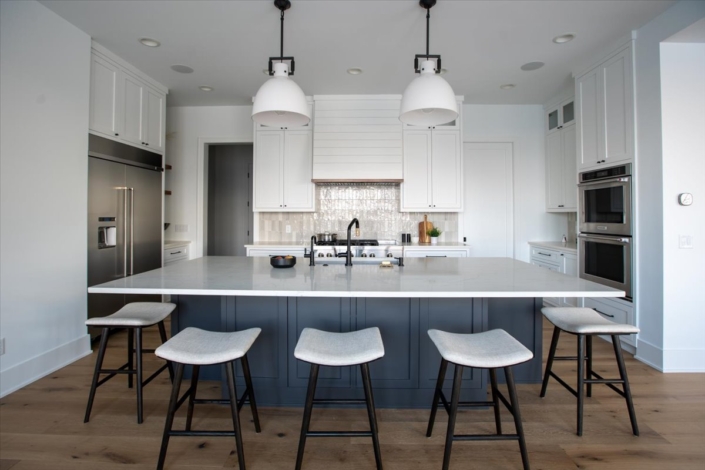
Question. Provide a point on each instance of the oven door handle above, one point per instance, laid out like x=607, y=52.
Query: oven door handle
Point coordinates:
x=623, y=241
x=621, y=179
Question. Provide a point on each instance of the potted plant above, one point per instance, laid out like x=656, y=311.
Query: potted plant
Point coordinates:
x=434, y=233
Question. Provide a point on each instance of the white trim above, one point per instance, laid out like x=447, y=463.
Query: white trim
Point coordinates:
x=355, y=97
x=683, y=360
x=649, y=354
x=102, y=51
x=33, y=369
x=199, y=249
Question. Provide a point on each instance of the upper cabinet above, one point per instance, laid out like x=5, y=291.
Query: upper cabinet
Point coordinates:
x=605, y=112
x=561, y=170
x=560, y=115
x=125, y=105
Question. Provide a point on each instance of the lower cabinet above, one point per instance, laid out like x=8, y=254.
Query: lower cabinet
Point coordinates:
x=616, y=311
x=174, y=254
x=565, y=262
x=437, y=253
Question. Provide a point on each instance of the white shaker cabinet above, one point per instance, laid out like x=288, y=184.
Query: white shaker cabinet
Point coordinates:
x=282, y=171
x=432, y=171
x=105, y=100
x=605, y=112
x=561, y=171
x=560, y=260
x=133, y=107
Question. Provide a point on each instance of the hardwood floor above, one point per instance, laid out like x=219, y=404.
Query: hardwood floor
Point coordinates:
x=41, y=426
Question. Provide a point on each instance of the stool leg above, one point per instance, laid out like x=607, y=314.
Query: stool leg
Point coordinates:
x=138, y=353
x=250, y=391
x=312, y=379
x=495, y=400
x=549, y=362
x=623, y=376
x=130, y=354
x=194, y=386
x=232, y=392
x=581, y=384
x=371, y=414
x=162, y=335
x=170, y=414
x=517, y=416
x=455, y=398
x=588, y=372
x=96, y=372
x=437, y=396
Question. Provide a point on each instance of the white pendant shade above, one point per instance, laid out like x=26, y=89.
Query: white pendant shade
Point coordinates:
x=428, y=100
x=280, y=102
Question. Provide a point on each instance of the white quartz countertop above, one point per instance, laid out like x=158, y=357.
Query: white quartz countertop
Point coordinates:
x=419, y=278
x=168, y=244
x=308, y=244
x=560, y=246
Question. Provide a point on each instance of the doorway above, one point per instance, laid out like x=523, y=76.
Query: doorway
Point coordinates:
x=230, y=219
x=488, y=221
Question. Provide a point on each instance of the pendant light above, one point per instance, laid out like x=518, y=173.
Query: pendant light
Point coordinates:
x=428, y=100
x=280, y=102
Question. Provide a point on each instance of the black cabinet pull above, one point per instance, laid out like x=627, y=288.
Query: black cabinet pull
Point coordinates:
x=117, y=133
x=175, y=253
x=603, y=313
x=543, y=254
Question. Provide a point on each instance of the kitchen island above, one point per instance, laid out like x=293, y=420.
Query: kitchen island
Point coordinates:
x=462, y=295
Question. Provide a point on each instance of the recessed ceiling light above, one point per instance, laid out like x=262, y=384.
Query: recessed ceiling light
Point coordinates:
x=444, y=71
x=354, y=71
x=149, y=42
x=182, y=68
x=508, y=86
x=532, y=66
x=205, y=88
x=563, y=38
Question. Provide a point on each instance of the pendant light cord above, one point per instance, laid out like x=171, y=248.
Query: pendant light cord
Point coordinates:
x=428, y=29
x=281, y=38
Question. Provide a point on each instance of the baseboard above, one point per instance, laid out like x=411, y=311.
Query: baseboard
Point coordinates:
x=684, y=360
x=650, y=355
x=44, y=364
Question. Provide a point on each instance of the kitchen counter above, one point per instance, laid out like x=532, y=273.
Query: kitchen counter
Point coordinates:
x=169, y=244
x=560, y=246
x=459, y=295
x=308, y=244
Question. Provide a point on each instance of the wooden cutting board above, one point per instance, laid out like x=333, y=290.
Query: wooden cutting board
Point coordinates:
x=424, y=227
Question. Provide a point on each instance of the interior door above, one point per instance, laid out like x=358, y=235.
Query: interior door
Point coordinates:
x=298, y=168
x=416, y=188
x=488, y=219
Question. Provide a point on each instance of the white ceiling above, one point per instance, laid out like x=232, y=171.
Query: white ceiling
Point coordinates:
x=483, y=43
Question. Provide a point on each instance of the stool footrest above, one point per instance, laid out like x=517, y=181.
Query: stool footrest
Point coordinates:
x=201, y=433
x=486, y=437
x=567, y=358
x=476, y=404
x=338, y=401
x=339, y=434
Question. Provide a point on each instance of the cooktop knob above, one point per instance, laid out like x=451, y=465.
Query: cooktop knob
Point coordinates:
x=372, y=255
x=389, y=255
x=329, y=255
x=364, y=255
x=321, y=255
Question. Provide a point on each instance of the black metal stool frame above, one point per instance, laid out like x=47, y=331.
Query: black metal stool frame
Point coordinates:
x=368, y=401
x=235, y=406
x=584, y=369
x=134, y=335
x=452, y=409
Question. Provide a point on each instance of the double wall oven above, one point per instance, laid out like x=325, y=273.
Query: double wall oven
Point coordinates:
x=605, y=225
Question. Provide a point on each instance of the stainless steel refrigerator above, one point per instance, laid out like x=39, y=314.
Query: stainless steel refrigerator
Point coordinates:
x=124, y=219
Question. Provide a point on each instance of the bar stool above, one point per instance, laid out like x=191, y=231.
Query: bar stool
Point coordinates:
x=491, y=350
x=133, y=317
x=586, y=323
x=322, y=348
x=196, y=347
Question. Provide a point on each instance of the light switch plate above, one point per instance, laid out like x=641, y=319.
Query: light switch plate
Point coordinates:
x=685, y=242
x=181, y=228
x=288, y=229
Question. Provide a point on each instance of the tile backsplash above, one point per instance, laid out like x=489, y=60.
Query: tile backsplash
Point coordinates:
x=375, y=205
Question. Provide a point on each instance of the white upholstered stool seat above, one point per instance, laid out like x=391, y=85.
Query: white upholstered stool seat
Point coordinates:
x=339, y=349
x=199, y=347
x=135, y=314
x=585, y=321
x=487, y=350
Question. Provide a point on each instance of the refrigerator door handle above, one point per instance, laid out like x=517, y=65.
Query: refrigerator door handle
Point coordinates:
x=132, y=230
x=124, y=232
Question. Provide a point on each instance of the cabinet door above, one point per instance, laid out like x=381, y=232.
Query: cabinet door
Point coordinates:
x=567, y=109
x=552, y=120
x=269, y=151
x=446, y=170
x=588, y=110
x=570, y=170
x=416, y=188
x=298, y=165
x=133, y=109
x=570, y=268
x=618, y=120
x=554, y=171
x=105, y=98
x=153, y=120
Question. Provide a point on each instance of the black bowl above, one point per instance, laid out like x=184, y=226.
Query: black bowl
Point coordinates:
x=282, y=262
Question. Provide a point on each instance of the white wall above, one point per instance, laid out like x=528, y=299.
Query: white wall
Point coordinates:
x=649, y=175
x=523, y=125
x=184, y=127
x=44, y=90
x=683, y=121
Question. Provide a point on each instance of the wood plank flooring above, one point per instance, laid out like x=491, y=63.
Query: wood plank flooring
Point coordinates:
x=41, y=426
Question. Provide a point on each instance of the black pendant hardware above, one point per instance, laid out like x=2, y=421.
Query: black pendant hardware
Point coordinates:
x=427, y=5
x=282, y=5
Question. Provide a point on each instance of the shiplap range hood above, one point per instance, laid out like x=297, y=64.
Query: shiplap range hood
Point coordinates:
x=357, y=138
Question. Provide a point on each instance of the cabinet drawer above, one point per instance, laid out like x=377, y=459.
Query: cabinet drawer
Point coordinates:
x=544, y=255
x=175, y=254
x=550, y=267
x=434, y=253
x=614, y=312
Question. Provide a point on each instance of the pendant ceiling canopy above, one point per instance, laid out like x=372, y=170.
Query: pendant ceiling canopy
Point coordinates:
x=428, y=100
x=280, y=102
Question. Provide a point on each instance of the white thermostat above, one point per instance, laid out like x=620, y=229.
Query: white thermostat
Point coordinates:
x=685, y=199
